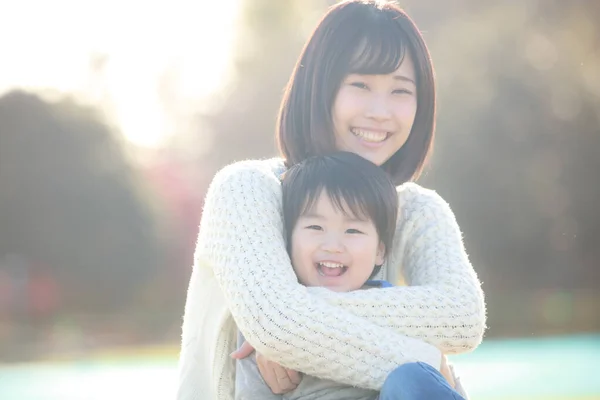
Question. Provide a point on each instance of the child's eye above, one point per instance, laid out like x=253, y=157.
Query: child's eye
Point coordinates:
x=353, y=231
x=359, y=85
x=314, y=227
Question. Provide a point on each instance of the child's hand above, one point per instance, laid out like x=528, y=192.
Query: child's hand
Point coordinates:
x=279, y=379
x=244, y=351
x=447, y=372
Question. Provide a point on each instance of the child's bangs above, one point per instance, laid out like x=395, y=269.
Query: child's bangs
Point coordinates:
x=347, y=200
x=381, y=50
x=350, y=203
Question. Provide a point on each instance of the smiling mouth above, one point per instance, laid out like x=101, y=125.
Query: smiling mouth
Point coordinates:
x=331, y=269
x=369, y=135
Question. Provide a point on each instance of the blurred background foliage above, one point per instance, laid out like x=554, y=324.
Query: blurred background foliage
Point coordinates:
x=97, y=228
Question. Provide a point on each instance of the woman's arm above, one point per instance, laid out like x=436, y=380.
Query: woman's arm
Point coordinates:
x=241, y=238
x=444, y=303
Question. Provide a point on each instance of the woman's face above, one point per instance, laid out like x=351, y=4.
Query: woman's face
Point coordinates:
x=373, y=114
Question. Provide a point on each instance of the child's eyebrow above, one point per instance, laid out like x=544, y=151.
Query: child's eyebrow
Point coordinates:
x=347, y=218
x=356, y=219
x=312, y=214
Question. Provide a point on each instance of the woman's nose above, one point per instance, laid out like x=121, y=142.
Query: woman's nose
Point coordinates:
x=378, y=107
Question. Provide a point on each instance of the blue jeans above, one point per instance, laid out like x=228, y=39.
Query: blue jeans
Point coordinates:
x=417, y=381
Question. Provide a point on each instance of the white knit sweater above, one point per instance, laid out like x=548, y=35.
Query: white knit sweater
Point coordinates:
x=242, y=270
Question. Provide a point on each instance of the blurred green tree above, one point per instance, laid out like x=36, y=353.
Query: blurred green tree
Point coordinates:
x=70, y=200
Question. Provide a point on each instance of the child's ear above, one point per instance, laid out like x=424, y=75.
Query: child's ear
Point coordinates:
x=380, y=257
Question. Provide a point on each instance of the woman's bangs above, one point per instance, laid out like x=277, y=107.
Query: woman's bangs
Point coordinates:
x=381, y=50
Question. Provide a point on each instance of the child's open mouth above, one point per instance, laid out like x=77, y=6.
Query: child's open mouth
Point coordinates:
x=331, y=269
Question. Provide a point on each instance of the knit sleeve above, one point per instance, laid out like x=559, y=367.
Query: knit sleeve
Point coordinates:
x=444, y=303
x=241, y=238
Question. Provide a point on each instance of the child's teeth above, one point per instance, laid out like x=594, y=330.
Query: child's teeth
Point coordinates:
x=331, y=265
x=331, y=269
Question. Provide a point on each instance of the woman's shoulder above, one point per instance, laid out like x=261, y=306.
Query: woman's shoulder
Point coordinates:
x=413, y=197
x=251, y=187
x=413, y=192
x=272, y=166
x=250, y=171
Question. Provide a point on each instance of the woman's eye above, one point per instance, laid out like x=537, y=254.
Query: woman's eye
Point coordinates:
x=353, y=231
x=402, y=91
x=359, y=85
x=314, y=227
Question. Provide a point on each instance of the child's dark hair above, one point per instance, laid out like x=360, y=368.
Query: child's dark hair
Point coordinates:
x=354, y=185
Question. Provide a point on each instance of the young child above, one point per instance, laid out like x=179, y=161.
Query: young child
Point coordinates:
x=340, y=214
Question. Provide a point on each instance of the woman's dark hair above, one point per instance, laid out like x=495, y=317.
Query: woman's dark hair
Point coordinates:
x=363, y=37
x=355, y=186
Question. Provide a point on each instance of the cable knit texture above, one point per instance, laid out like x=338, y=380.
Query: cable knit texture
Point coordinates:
x=242, y=270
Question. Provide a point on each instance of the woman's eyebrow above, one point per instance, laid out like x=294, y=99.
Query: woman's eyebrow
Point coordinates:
x=405, y=79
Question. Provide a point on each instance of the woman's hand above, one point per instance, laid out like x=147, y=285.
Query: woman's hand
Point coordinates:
x=447, y=372
x=279, y=379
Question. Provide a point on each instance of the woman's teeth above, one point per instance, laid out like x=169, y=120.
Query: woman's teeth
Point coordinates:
x=369, y=136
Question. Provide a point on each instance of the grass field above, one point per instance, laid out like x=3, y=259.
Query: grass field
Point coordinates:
x=562, y=368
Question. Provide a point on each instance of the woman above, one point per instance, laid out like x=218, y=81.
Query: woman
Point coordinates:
x=363, y=83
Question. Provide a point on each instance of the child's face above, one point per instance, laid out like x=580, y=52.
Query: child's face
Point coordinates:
x=325, y=237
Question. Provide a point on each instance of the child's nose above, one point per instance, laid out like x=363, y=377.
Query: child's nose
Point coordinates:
x=333, y=244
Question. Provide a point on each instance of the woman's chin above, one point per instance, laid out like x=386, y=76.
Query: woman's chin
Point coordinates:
x=376, y=158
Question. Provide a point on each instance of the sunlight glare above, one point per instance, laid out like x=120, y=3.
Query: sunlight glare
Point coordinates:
x=159, y=58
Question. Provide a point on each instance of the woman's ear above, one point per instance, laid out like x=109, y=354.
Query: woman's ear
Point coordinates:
x=380, y=257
